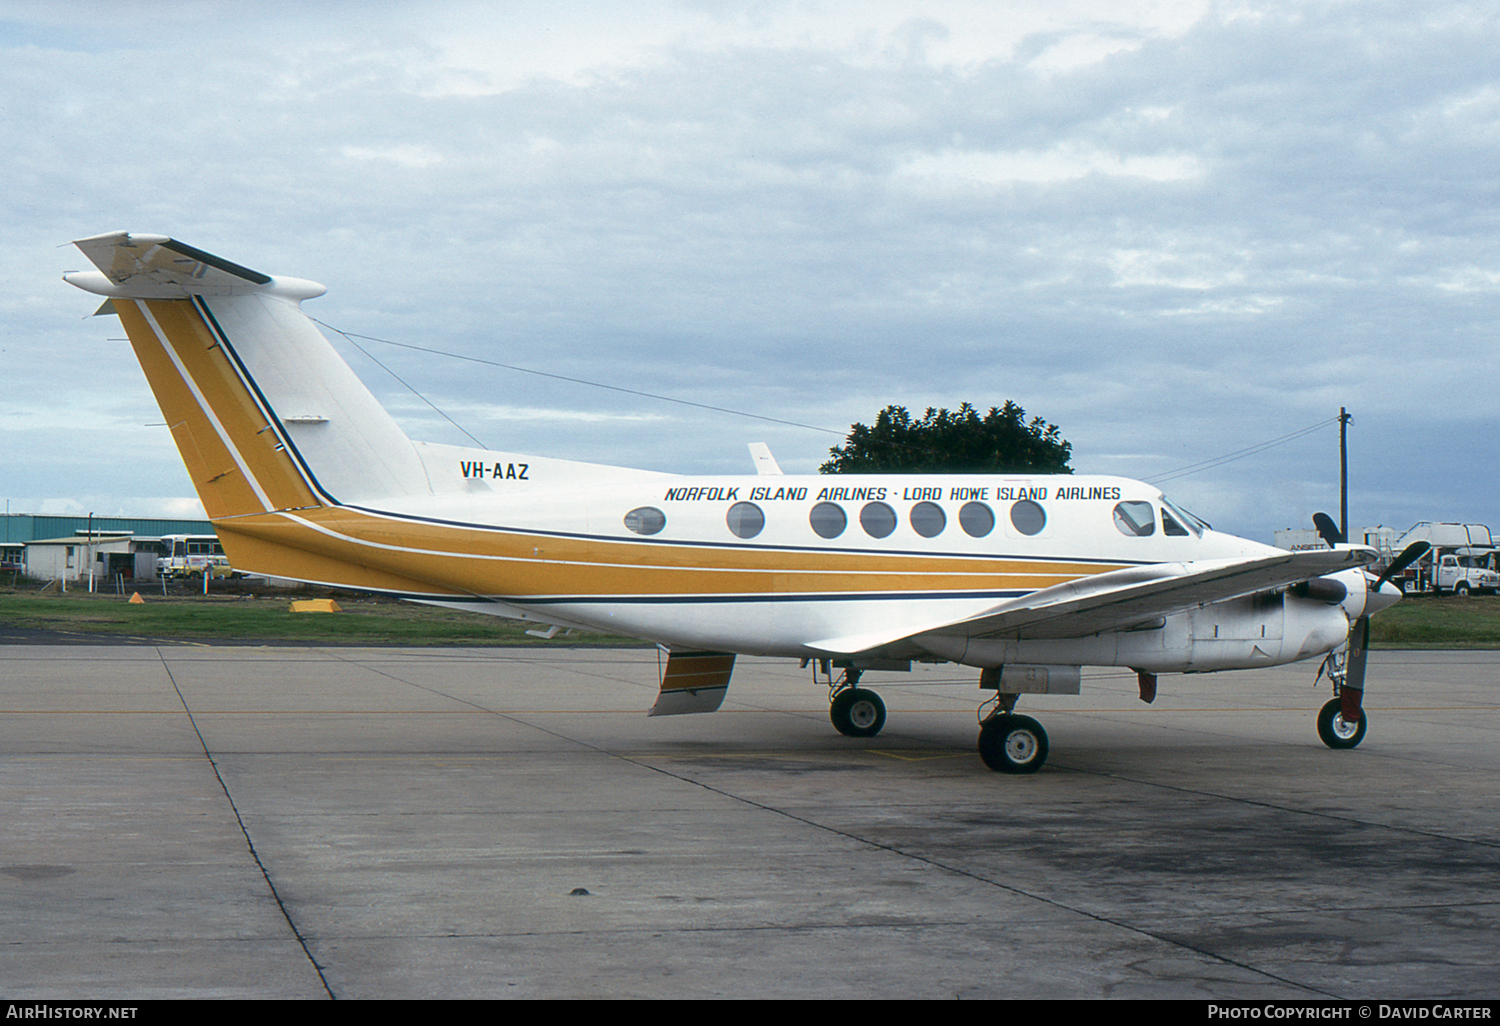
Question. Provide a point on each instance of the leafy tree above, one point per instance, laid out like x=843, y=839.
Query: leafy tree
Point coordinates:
x=1002, y=441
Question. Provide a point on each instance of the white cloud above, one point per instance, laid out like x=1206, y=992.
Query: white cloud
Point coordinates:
x=1061, y=163
x=408, y=156
x=487, y=50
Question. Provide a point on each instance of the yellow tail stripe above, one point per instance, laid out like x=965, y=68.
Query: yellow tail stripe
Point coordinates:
x=233, y=455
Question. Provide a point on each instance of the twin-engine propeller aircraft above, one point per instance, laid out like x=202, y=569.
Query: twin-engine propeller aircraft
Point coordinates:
x=1027, y=578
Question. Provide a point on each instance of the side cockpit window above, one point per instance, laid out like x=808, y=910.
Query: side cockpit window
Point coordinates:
x=1169, y=526
x=1135, y=518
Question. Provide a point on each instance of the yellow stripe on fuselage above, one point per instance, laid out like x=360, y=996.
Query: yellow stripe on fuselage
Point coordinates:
x=311, y=544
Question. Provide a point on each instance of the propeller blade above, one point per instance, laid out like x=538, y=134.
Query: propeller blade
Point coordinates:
x=1409, y=555
x=1352, y=694
x=1328, y=530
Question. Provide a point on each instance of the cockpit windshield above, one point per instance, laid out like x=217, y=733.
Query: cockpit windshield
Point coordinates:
x=1193, y=524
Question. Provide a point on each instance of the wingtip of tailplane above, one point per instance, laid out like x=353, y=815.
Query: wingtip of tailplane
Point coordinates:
x=133, y=265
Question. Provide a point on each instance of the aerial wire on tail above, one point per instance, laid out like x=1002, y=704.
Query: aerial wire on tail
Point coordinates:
x=351, y=337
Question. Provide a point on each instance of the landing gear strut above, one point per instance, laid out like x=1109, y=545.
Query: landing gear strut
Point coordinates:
x=1343, y=719
x=854, y=711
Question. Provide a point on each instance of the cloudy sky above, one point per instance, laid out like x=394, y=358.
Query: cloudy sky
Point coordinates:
x=1178, y=229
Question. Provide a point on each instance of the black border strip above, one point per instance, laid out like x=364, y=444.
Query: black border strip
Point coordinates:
x=219, y=263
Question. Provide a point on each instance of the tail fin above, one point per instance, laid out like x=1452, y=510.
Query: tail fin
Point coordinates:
x=265, y=413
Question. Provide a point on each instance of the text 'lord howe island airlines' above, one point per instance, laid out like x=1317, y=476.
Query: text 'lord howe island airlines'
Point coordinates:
x=1027, y=577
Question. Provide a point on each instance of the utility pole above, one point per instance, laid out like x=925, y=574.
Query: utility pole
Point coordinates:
x=1344, y=419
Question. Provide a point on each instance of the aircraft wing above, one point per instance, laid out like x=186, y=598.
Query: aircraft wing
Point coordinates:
x=1121, y=599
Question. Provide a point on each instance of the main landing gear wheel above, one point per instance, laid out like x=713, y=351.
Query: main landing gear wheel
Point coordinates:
x=856, y=712
x=1012, y=744
x=1338, y=732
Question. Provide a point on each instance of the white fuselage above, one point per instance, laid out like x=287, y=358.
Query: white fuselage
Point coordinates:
x=760, y=565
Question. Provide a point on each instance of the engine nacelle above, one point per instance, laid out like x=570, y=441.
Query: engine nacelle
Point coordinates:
x=1268, y=629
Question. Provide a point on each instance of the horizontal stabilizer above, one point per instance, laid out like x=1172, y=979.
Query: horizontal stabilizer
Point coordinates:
x=157, y=267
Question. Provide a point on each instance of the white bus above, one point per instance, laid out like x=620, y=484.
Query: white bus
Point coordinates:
x=192, y=555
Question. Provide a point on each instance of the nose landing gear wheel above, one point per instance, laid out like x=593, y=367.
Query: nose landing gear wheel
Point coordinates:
x=1012, y=744
x=1338, y=732
x=856, y=712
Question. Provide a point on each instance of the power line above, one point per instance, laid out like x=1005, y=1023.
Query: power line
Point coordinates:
x=403, y=381
x=1239, y=454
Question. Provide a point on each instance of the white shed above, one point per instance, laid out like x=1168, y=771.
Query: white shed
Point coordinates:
x=71, y=558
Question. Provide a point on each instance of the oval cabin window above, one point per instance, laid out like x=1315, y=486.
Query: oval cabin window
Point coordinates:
x=878, y=519
x=646, y=520
x=1028, y=517
x=828, y=520
x=928, y=519
x=745, y=519
x=976, y=519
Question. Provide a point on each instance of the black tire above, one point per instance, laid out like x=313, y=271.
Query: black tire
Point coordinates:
x=856, y=712
x=1012, y=744
x=1335, y=731
x=1461, y=589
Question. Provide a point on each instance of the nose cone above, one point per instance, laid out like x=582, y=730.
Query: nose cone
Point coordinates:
x=1384, y=597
